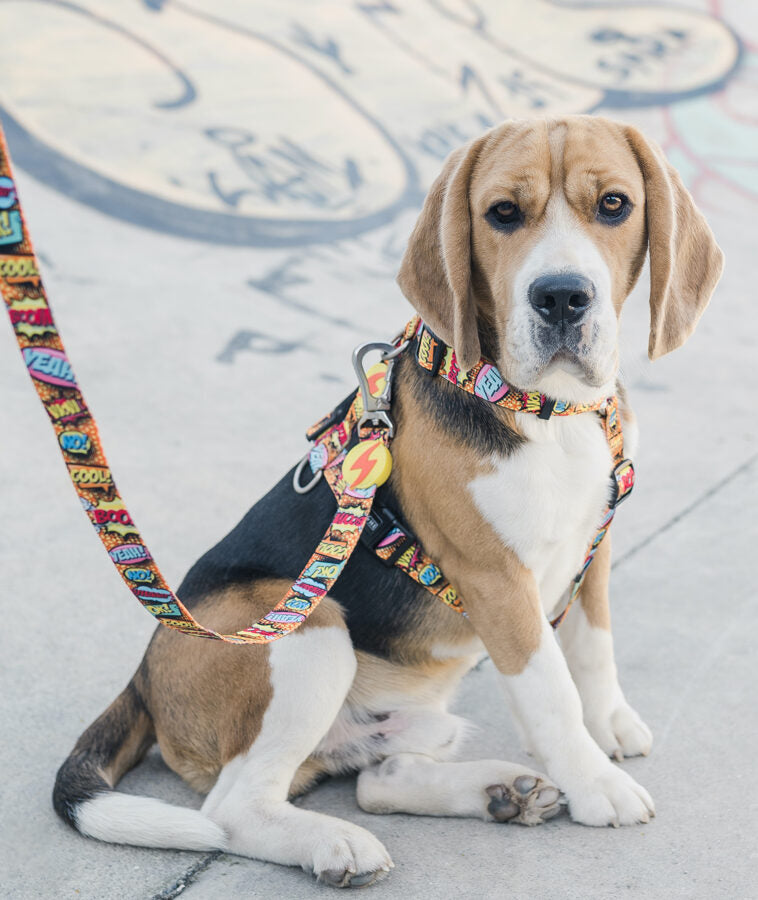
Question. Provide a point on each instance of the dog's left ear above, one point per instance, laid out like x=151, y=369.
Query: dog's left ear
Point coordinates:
x=685, y=260
x=435, y=274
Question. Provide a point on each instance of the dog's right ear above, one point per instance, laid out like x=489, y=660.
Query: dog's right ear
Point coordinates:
x=435, y=274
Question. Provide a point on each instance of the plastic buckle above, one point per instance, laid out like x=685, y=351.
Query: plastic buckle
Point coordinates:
x=622, y=480
x=378, y=525
x=380, y=522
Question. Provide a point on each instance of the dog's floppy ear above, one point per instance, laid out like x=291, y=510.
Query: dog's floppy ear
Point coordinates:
x=685, y=260
x=435, y=274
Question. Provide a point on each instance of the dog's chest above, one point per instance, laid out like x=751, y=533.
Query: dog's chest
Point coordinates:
x=546, y=500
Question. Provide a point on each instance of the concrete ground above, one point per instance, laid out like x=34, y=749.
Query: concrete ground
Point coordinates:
x=213, y=257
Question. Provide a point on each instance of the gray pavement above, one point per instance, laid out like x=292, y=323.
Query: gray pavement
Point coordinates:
x=208, y=330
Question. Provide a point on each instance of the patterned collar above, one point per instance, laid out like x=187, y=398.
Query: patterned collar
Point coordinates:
x=483, y=380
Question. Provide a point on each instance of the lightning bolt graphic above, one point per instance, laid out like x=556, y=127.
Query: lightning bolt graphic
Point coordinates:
x=365, y=463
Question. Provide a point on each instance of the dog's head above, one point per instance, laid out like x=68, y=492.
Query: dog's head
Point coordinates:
x=531, y=239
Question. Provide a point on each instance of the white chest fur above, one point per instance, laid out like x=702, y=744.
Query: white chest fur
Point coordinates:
x=546, y=499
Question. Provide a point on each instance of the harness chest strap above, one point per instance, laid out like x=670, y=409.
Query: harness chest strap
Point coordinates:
x=55, y=382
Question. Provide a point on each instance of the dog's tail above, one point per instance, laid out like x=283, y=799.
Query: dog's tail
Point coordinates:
x=84, y=797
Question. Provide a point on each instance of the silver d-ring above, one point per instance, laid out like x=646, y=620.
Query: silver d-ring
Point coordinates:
x=304, y=488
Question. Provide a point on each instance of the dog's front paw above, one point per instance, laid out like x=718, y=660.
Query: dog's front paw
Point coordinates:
x=611, y=797
x=528, y=800
x=349, y=856
x=621, y=732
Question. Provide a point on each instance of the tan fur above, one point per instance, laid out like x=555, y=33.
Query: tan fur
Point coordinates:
x=436, y=276
x=226, y=687
x=137, y=743
x=500, y=594
x=593, y=596
x=685, y=261
x=138, y=740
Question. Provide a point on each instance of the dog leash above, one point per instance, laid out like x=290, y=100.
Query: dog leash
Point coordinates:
x=76, y=430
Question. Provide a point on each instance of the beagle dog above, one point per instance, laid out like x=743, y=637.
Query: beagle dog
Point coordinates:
x=528, y=244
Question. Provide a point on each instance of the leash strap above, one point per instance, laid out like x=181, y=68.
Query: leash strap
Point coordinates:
x=55, y=382
x=384, y=533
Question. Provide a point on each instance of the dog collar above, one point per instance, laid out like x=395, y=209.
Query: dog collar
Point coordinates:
x=484, y=380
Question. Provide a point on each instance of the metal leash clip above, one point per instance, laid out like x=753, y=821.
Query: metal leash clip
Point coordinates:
x=376, y=407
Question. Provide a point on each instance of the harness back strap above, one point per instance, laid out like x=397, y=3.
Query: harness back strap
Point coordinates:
x=53, y=378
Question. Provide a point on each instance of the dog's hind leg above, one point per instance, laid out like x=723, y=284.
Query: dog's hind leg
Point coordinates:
x=483, y=789
x=311, y=673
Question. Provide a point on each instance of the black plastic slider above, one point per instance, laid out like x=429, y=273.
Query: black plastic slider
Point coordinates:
x=547, y=408
x=379, y=524
x=622, y=482
x=438, y=354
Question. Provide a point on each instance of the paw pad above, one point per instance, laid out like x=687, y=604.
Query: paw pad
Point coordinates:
x=528, y=801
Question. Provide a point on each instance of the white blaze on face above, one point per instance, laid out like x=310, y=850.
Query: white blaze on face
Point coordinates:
x=564, y=247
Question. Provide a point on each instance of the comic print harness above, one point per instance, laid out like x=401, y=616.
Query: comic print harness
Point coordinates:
x=352, y=474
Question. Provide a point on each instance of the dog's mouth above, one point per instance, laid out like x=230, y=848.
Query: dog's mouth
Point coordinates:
x=566, y=364
x=576, y=365
x=567, y=361
x=571, y=352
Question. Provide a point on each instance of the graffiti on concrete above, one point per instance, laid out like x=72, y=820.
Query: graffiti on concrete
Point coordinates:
x=267, y=124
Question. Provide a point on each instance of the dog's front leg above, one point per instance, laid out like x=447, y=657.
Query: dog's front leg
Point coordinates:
x=586, y=639
x=504, y=608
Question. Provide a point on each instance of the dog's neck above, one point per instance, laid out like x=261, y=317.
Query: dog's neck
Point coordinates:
x=481, y=426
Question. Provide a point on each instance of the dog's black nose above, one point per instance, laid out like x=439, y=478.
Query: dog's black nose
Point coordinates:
x=561, y=299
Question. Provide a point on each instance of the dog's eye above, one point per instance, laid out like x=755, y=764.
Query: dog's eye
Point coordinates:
x=504, y=215
x=613, y=208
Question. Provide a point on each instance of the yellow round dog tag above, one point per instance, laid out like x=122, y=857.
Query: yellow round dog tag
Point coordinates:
x=369, y=462
x=377, y=378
